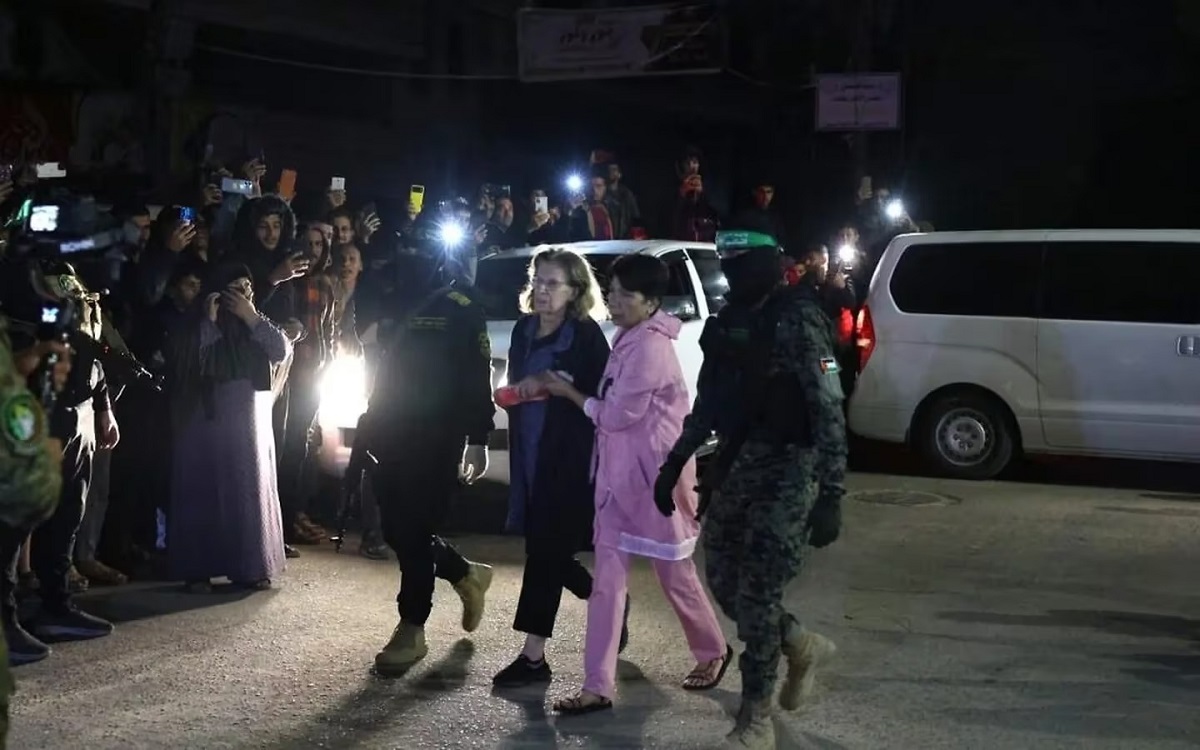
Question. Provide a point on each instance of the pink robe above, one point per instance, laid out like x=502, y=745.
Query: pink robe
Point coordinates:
x=639, y=416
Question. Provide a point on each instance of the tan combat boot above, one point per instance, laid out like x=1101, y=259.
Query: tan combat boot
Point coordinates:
x=804, y=651
x=472, y=590
x=753, y=730
x=406, y=648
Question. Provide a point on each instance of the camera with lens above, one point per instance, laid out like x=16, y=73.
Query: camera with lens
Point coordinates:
x=43, y=296
x=53, y=221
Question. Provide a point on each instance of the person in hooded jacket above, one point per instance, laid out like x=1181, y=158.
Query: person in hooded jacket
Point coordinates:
x=638, y=415
x=263, y=238
x=263, y=242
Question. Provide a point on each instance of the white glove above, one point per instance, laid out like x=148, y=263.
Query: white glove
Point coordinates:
x=474, y=463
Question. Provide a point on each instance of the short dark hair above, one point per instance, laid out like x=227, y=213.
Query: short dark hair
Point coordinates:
x=642, y=273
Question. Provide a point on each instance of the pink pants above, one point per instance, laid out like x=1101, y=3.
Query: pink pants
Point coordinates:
x=606, y=608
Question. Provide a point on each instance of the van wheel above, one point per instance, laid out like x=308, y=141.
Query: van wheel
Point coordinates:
x=966, y=436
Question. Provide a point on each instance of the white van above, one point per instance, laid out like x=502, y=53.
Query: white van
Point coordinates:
x=978, y=346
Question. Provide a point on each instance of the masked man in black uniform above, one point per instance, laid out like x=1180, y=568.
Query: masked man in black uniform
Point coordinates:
x=432, y=396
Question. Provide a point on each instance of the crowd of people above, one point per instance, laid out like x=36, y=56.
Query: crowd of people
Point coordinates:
x=235, y=306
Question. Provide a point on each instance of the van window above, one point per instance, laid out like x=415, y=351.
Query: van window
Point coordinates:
x=1132, y=282
x=982, y=279
x=712, y=278
x=681, y=296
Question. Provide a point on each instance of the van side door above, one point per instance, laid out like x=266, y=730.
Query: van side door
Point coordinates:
x=1119, y=347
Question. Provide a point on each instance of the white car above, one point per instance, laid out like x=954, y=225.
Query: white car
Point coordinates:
x=697, y=289
x=977, y=346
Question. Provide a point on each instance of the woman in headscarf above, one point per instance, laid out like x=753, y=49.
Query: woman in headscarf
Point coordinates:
x=224, y=518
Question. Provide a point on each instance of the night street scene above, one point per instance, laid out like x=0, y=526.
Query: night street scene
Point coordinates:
x=616, y=374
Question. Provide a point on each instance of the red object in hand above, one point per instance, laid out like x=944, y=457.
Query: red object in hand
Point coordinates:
x=510, y=396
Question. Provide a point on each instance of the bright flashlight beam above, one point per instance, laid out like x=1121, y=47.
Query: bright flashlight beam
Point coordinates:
x=574, y=183
x=452, y=234
x=894, y=210
x=846, y=253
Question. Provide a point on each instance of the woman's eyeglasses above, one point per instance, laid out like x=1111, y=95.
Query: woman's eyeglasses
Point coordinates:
x=549, y=285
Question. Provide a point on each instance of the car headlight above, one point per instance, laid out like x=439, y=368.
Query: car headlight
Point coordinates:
x=343, y=392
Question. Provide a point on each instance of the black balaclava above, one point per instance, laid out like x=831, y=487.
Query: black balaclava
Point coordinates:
x=752, y=274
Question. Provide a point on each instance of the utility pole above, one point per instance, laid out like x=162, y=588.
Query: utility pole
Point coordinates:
x=168, y=50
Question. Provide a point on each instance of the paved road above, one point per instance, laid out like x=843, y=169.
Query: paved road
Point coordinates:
x=970, y=615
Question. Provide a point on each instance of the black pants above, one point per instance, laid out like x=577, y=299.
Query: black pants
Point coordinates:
x=414, y=489
x=302, y=399
x=50, y=553
x=547, y=573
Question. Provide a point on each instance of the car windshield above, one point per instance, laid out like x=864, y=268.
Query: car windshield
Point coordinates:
x=499, y=282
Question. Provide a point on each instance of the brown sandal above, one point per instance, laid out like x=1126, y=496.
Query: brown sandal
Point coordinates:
x=708, y=676
x=577, y=705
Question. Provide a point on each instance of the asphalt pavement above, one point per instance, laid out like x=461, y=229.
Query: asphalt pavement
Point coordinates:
x=1061, y=613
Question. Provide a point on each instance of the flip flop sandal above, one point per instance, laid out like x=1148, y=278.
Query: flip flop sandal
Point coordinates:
x=575, y=706
x=696, y=680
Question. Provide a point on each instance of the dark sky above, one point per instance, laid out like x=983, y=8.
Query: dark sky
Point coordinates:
x=1018, y=113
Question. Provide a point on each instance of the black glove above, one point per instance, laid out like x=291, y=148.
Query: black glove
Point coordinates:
x=664, y=486
x=825, y=522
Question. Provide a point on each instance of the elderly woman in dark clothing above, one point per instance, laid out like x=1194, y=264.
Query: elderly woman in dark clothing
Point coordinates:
x=224, y=518
x=551, y=447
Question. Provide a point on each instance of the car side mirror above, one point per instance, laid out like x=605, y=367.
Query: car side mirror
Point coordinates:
x=681, y=307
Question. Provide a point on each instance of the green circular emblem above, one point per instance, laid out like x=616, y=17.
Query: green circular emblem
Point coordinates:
x=22, y=424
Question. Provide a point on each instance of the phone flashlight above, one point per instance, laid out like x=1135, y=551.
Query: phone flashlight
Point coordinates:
x=894, y=210
x=452, y=234
x=575, y=183
x=846, y=255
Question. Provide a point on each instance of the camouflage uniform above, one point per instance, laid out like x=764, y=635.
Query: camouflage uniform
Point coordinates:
x=30, y=478
x=757, y=526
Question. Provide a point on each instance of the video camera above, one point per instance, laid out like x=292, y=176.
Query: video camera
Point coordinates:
x=53, y=220
x=51, y=225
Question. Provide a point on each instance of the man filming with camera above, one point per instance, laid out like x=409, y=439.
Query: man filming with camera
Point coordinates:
x=39, y=289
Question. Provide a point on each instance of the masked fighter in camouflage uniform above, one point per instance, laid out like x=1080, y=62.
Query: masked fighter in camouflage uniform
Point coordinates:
x=769, y=388
x=30, y=479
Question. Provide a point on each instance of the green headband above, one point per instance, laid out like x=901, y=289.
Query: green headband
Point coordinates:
x=733, y=242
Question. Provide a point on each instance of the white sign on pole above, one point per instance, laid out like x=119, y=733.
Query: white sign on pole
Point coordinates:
x=557, y=45
x=858, y=101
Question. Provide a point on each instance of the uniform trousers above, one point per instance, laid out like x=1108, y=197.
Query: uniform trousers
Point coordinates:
x=54, y=540
x=754, y=538
x=415, y=487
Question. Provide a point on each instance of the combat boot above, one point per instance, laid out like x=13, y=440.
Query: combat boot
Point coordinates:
x=472, y=589
x=753, y=730
x=804, y=651
x=406, y=648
